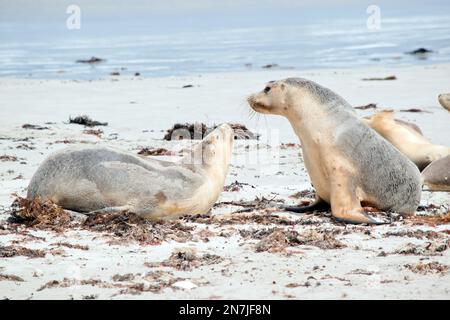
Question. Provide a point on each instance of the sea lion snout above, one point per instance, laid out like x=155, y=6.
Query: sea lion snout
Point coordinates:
x=217, y=145
x=271, y=100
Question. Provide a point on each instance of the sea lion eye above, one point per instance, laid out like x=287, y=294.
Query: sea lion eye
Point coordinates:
x=266, y=89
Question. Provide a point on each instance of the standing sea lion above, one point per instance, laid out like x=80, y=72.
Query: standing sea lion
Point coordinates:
x=349, y=164
x=412, y=144
x=99, y=179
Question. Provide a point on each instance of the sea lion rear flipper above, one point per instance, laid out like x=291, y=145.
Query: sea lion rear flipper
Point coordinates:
x=318, y=205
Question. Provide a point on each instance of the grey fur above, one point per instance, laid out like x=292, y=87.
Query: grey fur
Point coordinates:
x=100, y=179
x=384, y=173
x=437, y=174
x=86, y=179
x=324, y=95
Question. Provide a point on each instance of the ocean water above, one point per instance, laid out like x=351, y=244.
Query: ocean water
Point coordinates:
x=45, y=53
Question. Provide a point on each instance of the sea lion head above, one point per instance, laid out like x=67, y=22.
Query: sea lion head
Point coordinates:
x=271, y=100
x=217, y=147
x=283, y=96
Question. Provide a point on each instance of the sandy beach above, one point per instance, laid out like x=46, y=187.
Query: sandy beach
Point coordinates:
x=245, y=249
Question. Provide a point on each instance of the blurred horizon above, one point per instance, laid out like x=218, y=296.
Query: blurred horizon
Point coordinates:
x=264, y=12
x=159, y=38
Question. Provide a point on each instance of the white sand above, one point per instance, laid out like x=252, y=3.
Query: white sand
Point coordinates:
x=140, y=110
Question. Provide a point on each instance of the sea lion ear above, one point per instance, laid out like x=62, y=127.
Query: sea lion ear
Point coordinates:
x=282, y=86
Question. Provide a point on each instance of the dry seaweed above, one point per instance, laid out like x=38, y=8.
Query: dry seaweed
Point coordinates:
x=10, y=277
x=66, y=282
x=34, y=127
x=416, y=110
x=71, y=246
x=182, y=131
x=278, y=240
x=380, y=79
x=429, y=249
x=6, y=157
x=13, y=251
x=130, y=226
x=431, y=220
x=93, y=132
x=186, y=259
x=270, y=66
x=197, y=131
x=38, y=214
x=419, y=51
x=156, y=152
x=419, y=234
x=236, y=186
x=86, y=121
x=91, y=60
x=123, y=277
x=427, y=268
x=367, y=106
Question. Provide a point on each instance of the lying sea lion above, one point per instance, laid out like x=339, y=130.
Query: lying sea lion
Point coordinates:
x=444, y=100
x=437, y=175
x=412, y=144
x=99, y=179
x=349, y=164
x=409, y=125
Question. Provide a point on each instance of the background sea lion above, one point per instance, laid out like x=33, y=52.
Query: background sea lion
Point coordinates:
x=410, y=125
x=437, y=175
x=444, y=100
x=100, y=179
x=349, y=164
x=411, y=143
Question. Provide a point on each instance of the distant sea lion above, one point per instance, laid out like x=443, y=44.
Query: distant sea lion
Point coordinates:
x=444, y=100
x=411, y=143
x=437, y=175
x=349, y=164
x=99, y=179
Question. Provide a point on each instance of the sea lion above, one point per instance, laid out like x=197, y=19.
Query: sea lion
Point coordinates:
x=444, y=100
x=99, y=179
x=349, y=164
x=437, y=175
x=412, y=144
x=409, y=125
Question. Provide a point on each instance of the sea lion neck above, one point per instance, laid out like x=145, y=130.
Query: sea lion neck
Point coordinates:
x=309, y=123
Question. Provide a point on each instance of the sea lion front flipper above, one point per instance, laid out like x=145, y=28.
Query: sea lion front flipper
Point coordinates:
x=317, y=205
x=357, y=217
x=345, y=205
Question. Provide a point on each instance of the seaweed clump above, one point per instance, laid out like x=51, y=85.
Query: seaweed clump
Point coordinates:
x=38, y=213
